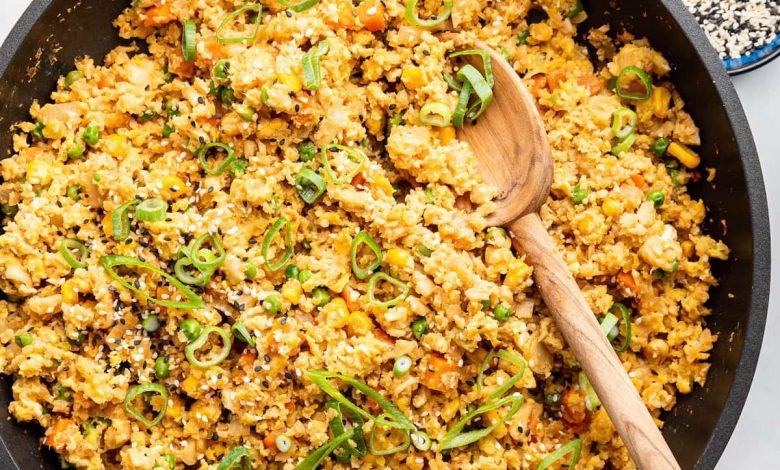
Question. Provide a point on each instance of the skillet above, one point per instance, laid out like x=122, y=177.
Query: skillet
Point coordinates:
x=52, y=33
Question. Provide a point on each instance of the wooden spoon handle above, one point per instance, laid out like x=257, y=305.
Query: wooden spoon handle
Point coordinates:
x=583, y=333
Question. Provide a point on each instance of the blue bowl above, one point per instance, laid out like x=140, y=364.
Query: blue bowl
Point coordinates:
x=755, y=59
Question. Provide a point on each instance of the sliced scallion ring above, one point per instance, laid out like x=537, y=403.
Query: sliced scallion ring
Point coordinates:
x=203, y=153
x=402, y=365
x=592, y=401
x=270, y=236
x=134, y=392
x=413, y=18
x=315, y=458
x=242, y=333
x=283, y=443
x=627, y=78
x=459, y=115
x=192, y=348
x=487, y=64
x=574, y=447
x=421, y=440
x=509, y=357
x=310, y=185
x=380, y=276
x=303, y=5
x=151, y=210
x=66, y=247
x=624, y=121
x=233, y=15
x=455, y=437
x=189, y=45
x=609, y=326
x=436, y=115
x=211, y=263
x=347, y=450
x=406, y=440
x=312, y=75
x=480, y=85
x=624, y=145
x=625, y=314
x=120, y=220
x=362, y=272
x=355, y=155
x=112, y=261
x=181, y=268
x=237, y=457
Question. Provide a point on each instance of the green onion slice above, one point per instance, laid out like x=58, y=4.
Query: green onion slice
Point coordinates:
x=421, y=440
x=575, y=10
x=134, y=392
x=222, y=38
x=411, y=15
x=609, y=326
x=398, y=419
x=276, y=228
x=315, y=458
x=574, y=447
x=363, y=238
x=626, y=81
x=626, y=144
x=487, y=65
x=202, y=154
x=592, y=401
x=189, y=47
x=242, y=333
x=303, y=5
x=624, y=121
x=619, y=308
x=151, y=210
x=391, y=450
x=436, y=115
x=459, y=115
x=310, y=185
x=112, y=261
x=69, y=244
x=312, y=75
x=182, y=272
x=402, y=365
x=509, y=357
x=120, y=220
x=346, y=451
x=238, y=455
x=453, y=83
x=192, y=348
x=203, y=263
x=481, y=86
x=380, y=276
x=357, y=156
x=456, y=438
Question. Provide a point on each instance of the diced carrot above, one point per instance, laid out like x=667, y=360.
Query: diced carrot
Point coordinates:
x=372, y=15
x=435, y=375
x=574, y=412
x=358, y=180
x=555, y=78
x=214, y=48
x=270, y=442
x=594, y=83
x=159, y=15
x=638, y=181
x=56, y=435
x=382, y=335
x=539, y=82
x=626, y=281
x=246, y=361
x=346, y=16
x=351, y=296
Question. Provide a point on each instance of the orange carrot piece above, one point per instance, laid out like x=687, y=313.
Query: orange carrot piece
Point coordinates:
x=372, y=15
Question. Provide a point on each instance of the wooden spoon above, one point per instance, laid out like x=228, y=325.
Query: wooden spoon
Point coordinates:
x=511, y=145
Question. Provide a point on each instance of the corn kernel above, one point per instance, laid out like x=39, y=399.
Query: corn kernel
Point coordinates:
x=292, y=291
x=108, y=225
x=540, y=32
x=384, y=184
x=586, y=224
x=413, y=77
x=205, y=409
x=688, y=248
x=190, y=384
x=175, y=407
x=291, y=81
x=493, y=418
x=517, y=273
x=54, y=130
x=400, y=258
x=336, y=313
x=687, y=157
x=359, y=324
x=39, y=172
x=117, y=146
x=662, y=97
x=447, y=135
x=448, y=411
x=611, y=208
x=70, y=294
x=375, y=124
x=683, y=386
x=271, y=128
x=172, y=187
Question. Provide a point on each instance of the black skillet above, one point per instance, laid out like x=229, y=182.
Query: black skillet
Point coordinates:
x=52, y=33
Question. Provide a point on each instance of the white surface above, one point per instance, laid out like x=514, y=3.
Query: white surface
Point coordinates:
x=756, y=441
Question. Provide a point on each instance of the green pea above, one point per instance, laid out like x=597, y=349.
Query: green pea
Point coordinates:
x=227, y=95
x=292, y=271
x=76, y=151
x=657, y=198
x=161, y=367
x=9, y=210
x=420, y=328
x=522, y=38
x=247, y=113
x=64, y=393
x=73, y=192
x=496, y=233
x=38, y=131
x=272, y=304
x=72, y=77
x=320, y=296
x=578, y=194
x=660, y=146
x=92, y=135
x=486, y=304
x=307, y=151
x=222, y=69
x=23, y=339
x=304, y=276
x=171, y=108
x=96, y=177
x=250, y=271
x=190, y=328
x=147, y=115
x=151, y=323
x=424, y=251
x=502, y=312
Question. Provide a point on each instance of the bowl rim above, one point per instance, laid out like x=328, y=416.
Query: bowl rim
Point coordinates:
x=755, y=59
x=759, y=215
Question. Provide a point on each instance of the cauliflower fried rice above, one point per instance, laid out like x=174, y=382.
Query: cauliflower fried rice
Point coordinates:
x=244, y=243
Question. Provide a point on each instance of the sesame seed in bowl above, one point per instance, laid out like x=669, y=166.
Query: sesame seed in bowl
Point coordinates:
x=745, y=33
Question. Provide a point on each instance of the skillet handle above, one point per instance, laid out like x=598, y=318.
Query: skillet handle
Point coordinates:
x=578, y=324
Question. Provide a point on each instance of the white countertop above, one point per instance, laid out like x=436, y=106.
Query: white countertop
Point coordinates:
x=756, y=441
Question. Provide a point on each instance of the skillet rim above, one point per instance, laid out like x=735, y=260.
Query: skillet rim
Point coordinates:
x=759, y=216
